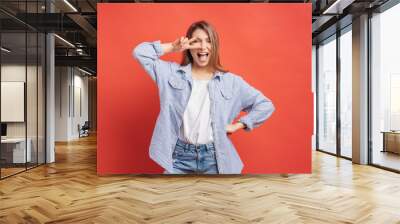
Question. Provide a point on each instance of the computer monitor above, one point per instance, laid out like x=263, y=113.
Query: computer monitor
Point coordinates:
x=3, y=129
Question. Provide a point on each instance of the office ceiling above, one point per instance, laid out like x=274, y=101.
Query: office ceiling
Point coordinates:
x=76, y=22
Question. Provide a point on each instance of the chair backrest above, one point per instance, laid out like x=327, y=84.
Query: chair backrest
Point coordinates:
x=86, y=125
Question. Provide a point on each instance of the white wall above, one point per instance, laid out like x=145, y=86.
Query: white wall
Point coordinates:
x=16, y=73
x=12, y=73
x=71, y=93
x=80, y=84
x=61, y=103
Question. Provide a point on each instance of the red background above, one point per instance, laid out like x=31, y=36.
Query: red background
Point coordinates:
x=269, y=45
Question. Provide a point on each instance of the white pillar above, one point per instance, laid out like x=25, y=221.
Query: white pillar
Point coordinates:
x=50, y=110
x=50, y=91
x=360, y=89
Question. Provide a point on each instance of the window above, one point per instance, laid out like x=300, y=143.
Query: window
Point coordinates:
x=346, y=93
x=327, y=95
x=385, y=88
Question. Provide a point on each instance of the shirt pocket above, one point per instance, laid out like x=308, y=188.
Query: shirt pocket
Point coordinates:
x=229, y=103
x=176, y=83
x=226, y=92
x=176, y=92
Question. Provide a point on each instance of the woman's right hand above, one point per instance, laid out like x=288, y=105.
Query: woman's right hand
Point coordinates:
x=180, y=44
x=183, y=43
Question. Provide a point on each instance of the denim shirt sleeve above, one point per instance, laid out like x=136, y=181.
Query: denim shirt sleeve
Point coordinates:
x=258, y=106
x=148, y=54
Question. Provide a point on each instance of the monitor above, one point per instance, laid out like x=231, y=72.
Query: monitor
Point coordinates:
x=3, y=129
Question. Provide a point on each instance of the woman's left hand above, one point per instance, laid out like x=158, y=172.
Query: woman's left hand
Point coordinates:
x=231, y=128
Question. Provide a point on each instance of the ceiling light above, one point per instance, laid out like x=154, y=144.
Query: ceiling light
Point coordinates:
x=5, y=50
x=64, y=40
x=84, y=71
x=70, y=5
x=338, y=6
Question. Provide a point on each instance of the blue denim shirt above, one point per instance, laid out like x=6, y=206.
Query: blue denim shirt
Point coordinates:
x=229, y=94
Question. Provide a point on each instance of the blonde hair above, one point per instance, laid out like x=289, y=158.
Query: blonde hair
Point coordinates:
x=213, y=35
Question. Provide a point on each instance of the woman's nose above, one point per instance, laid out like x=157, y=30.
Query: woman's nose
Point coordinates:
x=203, y=45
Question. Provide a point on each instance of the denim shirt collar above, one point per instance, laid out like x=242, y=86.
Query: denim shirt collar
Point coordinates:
x=186, y=70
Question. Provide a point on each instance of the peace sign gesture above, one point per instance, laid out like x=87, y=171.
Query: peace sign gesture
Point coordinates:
x=183, y=43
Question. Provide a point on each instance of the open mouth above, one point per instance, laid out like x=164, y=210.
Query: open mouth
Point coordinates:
x=203, y=56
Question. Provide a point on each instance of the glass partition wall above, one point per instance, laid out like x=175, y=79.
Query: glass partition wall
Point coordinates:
x=22, y=88
x=334, y=94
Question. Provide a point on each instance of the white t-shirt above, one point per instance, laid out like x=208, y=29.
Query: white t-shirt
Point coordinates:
x=196, y=128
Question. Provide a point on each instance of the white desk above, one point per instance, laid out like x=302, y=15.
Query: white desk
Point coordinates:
x=18, y=150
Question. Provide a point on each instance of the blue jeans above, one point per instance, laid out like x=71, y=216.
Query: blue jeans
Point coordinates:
x=190, y=159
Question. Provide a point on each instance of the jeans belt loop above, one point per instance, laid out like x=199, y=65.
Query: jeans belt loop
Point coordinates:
x=209, y=146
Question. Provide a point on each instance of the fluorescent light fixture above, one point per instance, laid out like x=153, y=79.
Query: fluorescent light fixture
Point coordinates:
x=80, y=51
x=5, y=50
x=84, y=71
x=64, y=40
x=70, y=5
x=338, y=6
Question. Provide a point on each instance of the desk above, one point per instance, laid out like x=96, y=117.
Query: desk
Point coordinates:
x=13, y=150
x=391, y=141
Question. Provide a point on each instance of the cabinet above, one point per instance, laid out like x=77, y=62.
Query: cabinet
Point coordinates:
x=391, y=141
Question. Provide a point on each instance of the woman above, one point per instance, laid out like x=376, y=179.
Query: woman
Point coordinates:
x=199, y=101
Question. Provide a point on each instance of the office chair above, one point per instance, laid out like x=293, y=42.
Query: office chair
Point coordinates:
x=84, y=130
